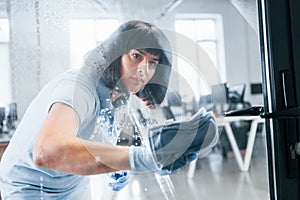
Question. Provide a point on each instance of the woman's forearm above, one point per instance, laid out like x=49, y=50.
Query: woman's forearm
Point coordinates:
x=58, y=148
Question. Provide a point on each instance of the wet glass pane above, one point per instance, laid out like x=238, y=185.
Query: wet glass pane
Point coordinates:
x=211, y=57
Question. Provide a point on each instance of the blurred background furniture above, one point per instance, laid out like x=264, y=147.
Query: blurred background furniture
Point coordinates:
x=3, y=145
x=234, y=141
x=227, y=97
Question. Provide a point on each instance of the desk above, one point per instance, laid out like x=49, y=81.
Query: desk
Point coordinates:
x=255, y=120
x=243, y=164
x=4, y=140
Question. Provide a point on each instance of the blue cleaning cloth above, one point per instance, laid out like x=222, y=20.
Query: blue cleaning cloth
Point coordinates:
x=175, y=145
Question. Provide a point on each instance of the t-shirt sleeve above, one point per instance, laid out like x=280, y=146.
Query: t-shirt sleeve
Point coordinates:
x=77, y=97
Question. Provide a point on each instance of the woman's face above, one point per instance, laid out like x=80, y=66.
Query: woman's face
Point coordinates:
x=137, y=68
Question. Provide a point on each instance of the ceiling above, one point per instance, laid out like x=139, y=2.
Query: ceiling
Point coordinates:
x=152, y=10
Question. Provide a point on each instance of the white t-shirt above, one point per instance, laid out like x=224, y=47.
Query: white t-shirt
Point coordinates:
x=20, y=178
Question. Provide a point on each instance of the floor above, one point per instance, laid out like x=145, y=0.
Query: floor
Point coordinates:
x=215, y=178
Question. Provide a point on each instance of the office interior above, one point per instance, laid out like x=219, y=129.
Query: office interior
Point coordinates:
x=216, y=66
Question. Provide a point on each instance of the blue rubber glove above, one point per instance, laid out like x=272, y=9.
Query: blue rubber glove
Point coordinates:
x=141, y=160
x=120, y=180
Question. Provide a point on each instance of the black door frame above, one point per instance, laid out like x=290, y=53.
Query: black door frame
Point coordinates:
x=280, y=51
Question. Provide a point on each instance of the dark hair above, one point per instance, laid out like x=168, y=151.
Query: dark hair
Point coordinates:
x=142, y=36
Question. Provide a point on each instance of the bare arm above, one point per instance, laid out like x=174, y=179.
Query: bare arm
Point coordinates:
x=58, y=148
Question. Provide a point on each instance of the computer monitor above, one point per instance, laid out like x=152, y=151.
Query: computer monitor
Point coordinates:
x=219, y=93
x=2, y=118
x=256, y=88
x=236, y=93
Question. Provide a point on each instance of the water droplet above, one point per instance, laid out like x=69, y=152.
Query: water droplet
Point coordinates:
x=97, y=159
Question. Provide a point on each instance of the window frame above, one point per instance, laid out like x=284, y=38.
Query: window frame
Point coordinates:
x=219, y=39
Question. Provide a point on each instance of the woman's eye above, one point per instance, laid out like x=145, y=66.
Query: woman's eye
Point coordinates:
x=153, y=64
x=136, y=56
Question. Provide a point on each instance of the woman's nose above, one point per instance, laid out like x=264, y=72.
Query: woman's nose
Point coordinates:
x=143, y=68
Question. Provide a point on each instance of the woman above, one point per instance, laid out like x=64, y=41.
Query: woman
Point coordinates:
x=54, y=146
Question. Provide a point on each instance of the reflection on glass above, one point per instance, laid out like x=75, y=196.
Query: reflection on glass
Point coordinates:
x=211, y=49
x=84, y=34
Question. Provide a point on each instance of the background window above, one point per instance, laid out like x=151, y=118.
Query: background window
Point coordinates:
x=5, y=86
x=208, y=33
x=85, y=34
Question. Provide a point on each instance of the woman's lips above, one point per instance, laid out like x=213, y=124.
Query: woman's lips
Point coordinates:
x=137, y=80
